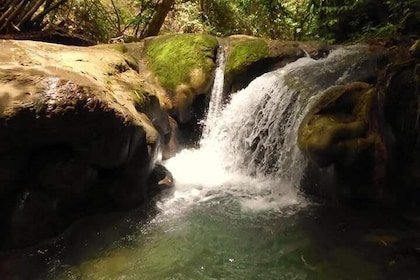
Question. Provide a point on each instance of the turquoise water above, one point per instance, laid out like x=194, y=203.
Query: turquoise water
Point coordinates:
x=226, y=237
x=219, y=239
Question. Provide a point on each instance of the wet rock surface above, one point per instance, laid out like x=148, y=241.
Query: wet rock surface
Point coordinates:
x=336, y=130
x=364, y=147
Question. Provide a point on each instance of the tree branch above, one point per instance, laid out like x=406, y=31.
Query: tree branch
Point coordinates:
x=46, y=10
x=12, y=16
x=30, y=13
x=117, y=14
x=158, y=18
x=9, y=11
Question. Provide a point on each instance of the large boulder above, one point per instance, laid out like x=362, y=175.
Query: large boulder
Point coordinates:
x=79, y=134
x=363, y=140
x=338, y=132
x=183, y=65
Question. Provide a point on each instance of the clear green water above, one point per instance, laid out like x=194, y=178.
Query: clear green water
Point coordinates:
x=220, y=239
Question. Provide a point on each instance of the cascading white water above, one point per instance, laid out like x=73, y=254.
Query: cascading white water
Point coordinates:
x=248, y=149
x=247, y=160
x=216, y=97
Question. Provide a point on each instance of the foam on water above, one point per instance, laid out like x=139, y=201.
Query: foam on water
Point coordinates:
x=234, y=210
x=248, y=151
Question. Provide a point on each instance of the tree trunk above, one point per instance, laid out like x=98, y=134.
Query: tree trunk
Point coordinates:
x=30, y=13
x=162, y=10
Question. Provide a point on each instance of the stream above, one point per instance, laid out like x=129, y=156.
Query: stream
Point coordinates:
x=236, y=211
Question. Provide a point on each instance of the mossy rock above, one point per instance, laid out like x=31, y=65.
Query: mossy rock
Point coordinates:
x=175, y=58
x=244, y=51
x=336, y=129
x=249, y=57
x=183, y=65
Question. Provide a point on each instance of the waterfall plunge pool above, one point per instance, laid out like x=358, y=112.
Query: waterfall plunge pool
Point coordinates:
x=224, y=238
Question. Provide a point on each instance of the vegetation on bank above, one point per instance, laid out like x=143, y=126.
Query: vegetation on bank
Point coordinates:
x=122, y=20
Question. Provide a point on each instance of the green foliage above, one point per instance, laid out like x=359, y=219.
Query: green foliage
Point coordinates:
x=92, y=19
x=338, y=20
x=138, y=22
x=173, y=57
x=267, y=18
x=187, y=17
x=125, y=20
x=223, y=17
x=344, y=20
x=105, y=20
x=400, y=9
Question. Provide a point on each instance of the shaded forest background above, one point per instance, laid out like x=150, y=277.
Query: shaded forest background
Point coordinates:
x=93, y=21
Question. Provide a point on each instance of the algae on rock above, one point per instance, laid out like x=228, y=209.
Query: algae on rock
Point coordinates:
x=183, y=65
x=249, y=57
x=336, y=128
x=245, y=51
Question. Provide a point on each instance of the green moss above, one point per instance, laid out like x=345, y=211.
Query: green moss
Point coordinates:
x=243, y=53
x=173, y=57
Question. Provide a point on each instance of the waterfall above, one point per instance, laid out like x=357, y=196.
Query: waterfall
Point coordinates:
x=249, y=146
x=234, y=210
x=216, y=96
